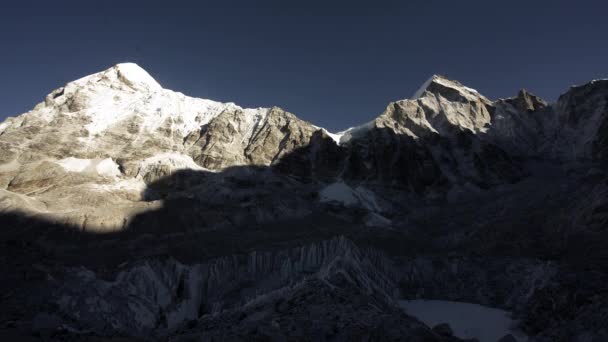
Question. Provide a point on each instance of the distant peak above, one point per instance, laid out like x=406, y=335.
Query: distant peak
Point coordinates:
x=450, y=89
x=526, y=101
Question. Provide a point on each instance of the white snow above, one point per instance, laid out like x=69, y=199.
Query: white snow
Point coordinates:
x=341, y=192
x=181, y=113
x=127, y=92
x=466, y=320
x=3, y=126
x=130, y=73
x=107, y=167
x=253, y=117
x=355, y=132
x=136, y=76
x=334, y=136
x=346, y=135
x=102, y=167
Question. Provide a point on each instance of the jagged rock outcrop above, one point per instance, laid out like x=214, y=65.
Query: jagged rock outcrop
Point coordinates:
x=582, y=113
x=240, y=138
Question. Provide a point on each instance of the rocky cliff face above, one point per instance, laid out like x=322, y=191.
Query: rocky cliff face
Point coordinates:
x=220, y=222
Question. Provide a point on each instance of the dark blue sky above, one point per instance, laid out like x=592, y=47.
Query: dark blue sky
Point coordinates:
x=335, y=63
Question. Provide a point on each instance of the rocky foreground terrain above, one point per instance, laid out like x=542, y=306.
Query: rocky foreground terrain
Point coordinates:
x=132, y=212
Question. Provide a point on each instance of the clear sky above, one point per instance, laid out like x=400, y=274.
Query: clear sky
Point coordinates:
x=334, y=63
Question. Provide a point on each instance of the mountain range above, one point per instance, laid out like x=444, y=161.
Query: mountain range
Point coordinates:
x=133, y=211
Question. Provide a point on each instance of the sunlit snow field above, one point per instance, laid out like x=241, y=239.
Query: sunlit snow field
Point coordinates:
x=466, y=320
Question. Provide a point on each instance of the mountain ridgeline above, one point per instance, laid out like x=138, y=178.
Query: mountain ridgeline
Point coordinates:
x=446, y=136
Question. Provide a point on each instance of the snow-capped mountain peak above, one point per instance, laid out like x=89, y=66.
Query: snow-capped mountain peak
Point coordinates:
x=125, y=95
x=135, y=76
x=118, y=76
x=450, y=89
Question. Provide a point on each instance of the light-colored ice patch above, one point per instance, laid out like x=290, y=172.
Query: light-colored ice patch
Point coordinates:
x=341, y=192
x=107, y=167
x=3, y=126
x=102, y=167
x=346, y=135
x=334, y=136
x=466, y=320
x=72, y=164
x=129, y=185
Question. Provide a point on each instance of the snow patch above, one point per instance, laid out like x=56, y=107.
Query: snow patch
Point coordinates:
x=334, y=136
x=466, y=320
x=102, y=167
x=135, y=76
x=254, y=117
x=355, y=132
x=341, y=192
x=107, y=167
x=346, y=135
